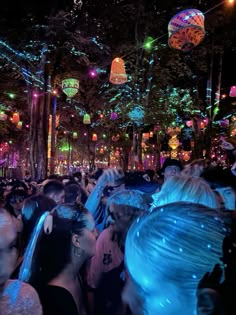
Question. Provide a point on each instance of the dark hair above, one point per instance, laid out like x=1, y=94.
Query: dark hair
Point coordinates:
x=72, y=191
x=18, y=193
x=32, y=210
x=52, y=252
x=53, y=186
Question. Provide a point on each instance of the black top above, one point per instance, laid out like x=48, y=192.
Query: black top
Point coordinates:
x=57, y=301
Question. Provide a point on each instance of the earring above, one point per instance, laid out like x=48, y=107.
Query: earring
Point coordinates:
x=79, y=252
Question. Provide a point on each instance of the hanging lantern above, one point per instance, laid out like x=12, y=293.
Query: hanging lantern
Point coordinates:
x=94, y=137
x=15, y=118
x=86, y=119
x=75, y=135
x=3, y=116
x=118, y=73
x=173, y=142
x=174, y=154
x=101, y=150
x=113, y=116
x=189, y=123
x=151, y=134
x=19, y=125
x=70, y=87
x=186, y=29
x=202, y=124
x=186, y=156
x=145, y=135
x=232, y=92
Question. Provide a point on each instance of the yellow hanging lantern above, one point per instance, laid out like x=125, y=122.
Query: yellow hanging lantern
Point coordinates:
x=94, y=137
x=19, y=125
x=15, y=118
x=86, y=119
x=75, y=135
x=70, y=87
x=186, y=29
x=118, y=73
x=173, y=142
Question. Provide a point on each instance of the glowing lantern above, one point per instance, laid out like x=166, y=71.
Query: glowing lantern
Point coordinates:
x=86, y=119
x=114, y=116
x=75, y=135
x=70, y=87
x=118, y=73
x=186, y=29
x=173, y=142
x=186, y=156
x=101, y=151
x=145, y=135
x=189, y=123
x=151, y=134
x=15, y=118
x=94, y=137
x=174, y=154
x=3, y=116
x=202, y=125
x=19, y=125
x=232, y=92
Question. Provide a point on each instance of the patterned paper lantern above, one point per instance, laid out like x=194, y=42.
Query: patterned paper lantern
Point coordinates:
x=3, y=116
x=86, y=119
x=118, y=73
x=15, y=118
x=70, y=87
x=232, y=92
x=186, y=29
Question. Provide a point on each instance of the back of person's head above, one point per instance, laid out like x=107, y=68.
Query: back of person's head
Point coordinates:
x=50, y=248
x=32, y=210
x=72, y=192
x=185, y=188
x=167, y=252
x=53, y=186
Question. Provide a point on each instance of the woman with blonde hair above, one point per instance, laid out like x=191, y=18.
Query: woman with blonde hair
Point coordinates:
x=185, y=188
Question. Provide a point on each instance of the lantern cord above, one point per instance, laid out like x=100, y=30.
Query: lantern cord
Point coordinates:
x=214, y=7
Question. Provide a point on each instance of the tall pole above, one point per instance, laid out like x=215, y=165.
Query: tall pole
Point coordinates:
x=53, y=135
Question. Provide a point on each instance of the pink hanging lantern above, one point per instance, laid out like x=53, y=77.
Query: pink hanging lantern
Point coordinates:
x=94, y=137
x=3, y=116
x=113, y=116
x=118, y=73
x=232, y=92
x=186, y=29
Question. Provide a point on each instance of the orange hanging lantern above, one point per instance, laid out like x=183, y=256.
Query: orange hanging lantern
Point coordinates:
x=118, y=74
x=186, y=29
x=15, y=118
x=86, y=119
x=145, y=135
x=151, y=134
x=94, y=137
x=232, y=92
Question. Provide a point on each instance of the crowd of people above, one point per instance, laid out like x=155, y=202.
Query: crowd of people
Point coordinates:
x=117, y=243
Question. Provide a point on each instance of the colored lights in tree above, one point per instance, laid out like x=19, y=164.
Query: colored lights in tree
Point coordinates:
x=118, y=73
x=19, y=125
x=186, y=29
x=11, y=95
x=75, y=135
x=86, y=119
x=70, y=87
x=148, y=43
x=232, y=92
x=92, y=73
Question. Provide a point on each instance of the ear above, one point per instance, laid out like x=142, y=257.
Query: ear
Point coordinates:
x=75, y=240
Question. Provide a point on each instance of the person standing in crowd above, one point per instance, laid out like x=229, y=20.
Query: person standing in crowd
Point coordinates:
x=16, y=297
x=61, y=243
x=54, y=190
x=160, y=256
x=171, y=167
